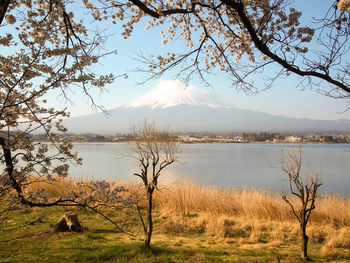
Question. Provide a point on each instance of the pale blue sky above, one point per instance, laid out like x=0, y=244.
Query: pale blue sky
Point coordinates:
x=283, y=99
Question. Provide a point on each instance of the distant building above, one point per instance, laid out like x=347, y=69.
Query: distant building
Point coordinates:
x=293, y=139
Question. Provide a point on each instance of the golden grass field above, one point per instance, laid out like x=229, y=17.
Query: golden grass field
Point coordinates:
x=253, y=218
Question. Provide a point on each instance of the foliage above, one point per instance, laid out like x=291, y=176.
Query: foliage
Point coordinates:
x=242, y=38
x=46, y=51
x=343, y=5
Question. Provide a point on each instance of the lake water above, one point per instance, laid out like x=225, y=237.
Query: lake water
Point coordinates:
x=237, y=165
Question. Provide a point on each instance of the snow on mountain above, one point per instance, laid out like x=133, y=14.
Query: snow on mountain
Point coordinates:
x=169, y=93
x=190, y=109
x=198, y=118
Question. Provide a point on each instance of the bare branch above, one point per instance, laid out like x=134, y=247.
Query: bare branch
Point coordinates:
x=155, y=150
x=306, y=192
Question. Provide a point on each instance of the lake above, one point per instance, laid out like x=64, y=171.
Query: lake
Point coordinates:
x=236, y=165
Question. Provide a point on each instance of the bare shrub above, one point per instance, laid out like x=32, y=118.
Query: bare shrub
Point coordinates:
x=154, y=150
x=304, y=192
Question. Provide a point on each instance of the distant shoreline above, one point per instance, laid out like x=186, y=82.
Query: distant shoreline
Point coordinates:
x=218, y=142
x=220, y=138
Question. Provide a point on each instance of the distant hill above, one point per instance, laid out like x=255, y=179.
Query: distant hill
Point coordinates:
x=192, y=109
x=197, y=118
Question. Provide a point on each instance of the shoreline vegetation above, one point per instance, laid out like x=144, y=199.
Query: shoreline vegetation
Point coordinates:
x=206, y=137
x=193, y=223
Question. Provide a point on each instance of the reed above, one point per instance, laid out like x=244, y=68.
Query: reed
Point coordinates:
x=250, y=216
x=186, y=199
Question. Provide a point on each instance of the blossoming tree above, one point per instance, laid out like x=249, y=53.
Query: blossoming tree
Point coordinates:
x=44, y=50
x=242, y=38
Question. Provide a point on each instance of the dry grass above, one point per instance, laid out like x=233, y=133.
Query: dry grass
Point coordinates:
x=249, y=217
x=339, y=239
x=253, y=217
x=188, y=199
x=56, y=188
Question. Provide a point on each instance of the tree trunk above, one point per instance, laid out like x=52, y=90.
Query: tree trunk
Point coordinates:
x=304, y=241
x=148, y=234
x=68, y=222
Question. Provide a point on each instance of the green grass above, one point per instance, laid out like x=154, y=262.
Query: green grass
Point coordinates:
x=101, y=243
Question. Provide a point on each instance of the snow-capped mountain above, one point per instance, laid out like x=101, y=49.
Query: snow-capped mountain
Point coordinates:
x=170, y=93
x=191, y=109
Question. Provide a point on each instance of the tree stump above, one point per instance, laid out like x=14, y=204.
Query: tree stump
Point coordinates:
x=68, y=222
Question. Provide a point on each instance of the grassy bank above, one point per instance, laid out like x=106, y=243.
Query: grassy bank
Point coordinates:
x=192, y=224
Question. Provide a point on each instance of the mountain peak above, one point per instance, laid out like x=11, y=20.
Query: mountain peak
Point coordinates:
x=169, y=93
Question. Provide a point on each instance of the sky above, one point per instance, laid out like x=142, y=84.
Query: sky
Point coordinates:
x=284, y=98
